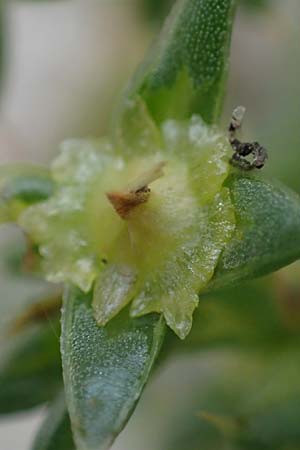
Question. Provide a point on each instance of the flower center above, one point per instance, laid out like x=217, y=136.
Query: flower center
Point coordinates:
x=135, y=193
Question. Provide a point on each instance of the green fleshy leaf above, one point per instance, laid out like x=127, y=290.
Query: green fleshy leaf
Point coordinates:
x=30, y=368
x=267, y=236
x=185, y=71
x=55, y=432
x=105, y=369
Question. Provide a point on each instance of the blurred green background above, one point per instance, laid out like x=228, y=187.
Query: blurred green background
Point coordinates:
x=234, y=383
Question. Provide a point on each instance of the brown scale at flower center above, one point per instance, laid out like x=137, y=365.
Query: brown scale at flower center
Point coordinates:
x=136, y=193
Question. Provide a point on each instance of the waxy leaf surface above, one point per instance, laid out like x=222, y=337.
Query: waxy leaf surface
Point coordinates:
x=105, y=368
x=186, y=68
x=267, y=235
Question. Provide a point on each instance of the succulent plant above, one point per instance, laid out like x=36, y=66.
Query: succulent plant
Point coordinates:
x=139, y=225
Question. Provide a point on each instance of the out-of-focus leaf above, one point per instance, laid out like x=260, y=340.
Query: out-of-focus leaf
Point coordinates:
x=255, y=4
x=258, y=393
x=230, y=319
x=55, y=432
x=30, y=367
x=267, y=234
x=185, y=71
x=21, y=293
x=105, y=369
x=22, y=185
x=29, y=189
x=38, y=312
x=157, y=9
x=13, y=256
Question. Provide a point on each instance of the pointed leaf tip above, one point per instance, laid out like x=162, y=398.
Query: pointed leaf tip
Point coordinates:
x=187, y=67
x=105, y=368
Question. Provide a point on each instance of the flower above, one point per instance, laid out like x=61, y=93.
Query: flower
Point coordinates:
x=141, y=219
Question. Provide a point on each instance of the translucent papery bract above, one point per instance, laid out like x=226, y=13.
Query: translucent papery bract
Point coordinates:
x=177, y=237
x=205, y=150
x=137, y=133
x=153, y=232
x=59, y=224
x=165, y=250
x=174, y=287
x=81, y=160
x=112, y=291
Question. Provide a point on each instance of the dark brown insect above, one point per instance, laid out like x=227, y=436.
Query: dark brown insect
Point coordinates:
x=242, y=150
